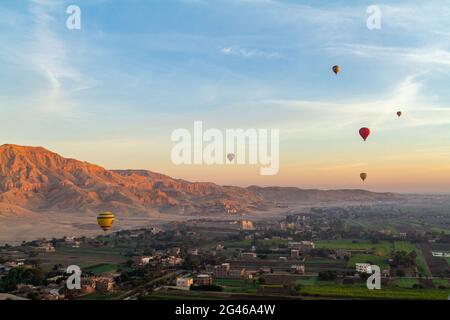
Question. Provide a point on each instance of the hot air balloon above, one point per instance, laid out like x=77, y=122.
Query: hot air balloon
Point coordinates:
x=363, y=176
x=105, y=220
x=399, y=113
x=230, y=156
x=336, y=69
x=364, y=133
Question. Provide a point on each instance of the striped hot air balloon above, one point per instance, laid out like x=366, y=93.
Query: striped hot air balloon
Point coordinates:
x=105, y=220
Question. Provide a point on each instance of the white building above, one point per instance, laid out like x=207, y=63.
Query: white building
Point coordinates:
x=295, y=253
x=303, y=246
x=203, y=280
x=440, y=254
x=298, y=269
x=143, y=260
x=185, y=282
x=364, y=268
x=248, y=255
x=47, y=247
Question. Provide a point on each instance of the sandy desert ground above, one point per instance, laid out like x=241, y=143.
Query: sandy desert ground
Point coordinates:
x=15, y=229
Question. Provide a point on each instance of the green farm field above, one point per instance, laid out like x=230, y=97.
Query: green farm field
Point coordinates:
x=237, y=285
x=404, y=246
x=103, y=268
x=407, y=283
x=381, y=261
x=409, y=247
x=382, y=247
x=83, y=257
x=363, y=293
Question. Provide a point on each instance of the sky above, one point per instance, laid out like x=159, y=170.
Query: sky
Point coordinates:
x=112, y=92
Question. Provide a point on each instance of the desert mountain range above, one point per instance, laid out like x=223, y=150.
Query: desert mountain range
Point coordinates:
x=34, y=179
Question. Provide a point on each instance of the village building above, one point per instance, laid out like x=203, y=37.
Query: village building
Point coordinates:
x=72, y=242
x=88, y=284
x=363, y=268
x=302, y=246
x=172, y=261
x=222, y=271
x=248, y=255
x=185, y=282
x=46, y=247
x=104, y=284
x=203, y=280
x=236, y=274
x=300, y=269
x=440, y=254
x=143, y=260
x=247, y=225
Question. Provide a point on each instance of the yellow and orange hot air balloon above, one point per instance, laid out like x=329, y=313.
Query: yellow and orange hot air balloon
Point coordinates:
x=336, y=69
x=363, y=176
x=105, y=220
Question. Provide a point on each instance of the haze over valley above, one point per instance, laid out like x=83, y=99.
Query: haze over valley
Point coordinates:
x=43, y=194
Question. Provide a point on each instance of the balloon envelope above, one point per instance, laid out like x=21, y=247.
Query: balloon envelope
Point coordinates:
x=105, y=220
x=364, y=133
x=363, y=176
x=230, y=156
x=336, y=69
x=399, y=113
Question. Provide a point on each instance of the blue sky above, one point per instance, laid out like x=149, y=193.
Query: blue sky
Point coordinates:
x=112, y=92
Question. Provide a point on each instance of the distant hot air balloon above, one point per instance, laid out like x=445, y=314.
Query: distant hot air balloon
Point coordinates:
x=336, y=69
x=363, y=176
x=230, y=156
x=364, y=133
x=105, y=220
x=399, y=113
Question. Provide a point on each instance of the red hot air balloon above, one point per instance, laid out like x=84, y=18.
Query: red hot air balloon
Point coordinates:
x=364, y=133
x=399, y=113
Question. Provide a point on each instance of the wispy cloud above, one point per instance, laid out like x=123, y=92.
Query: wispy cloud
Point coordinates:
x=50, y=55
x=40, y=50
x=249, y=53
x=433, y=55
x=377, y=111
